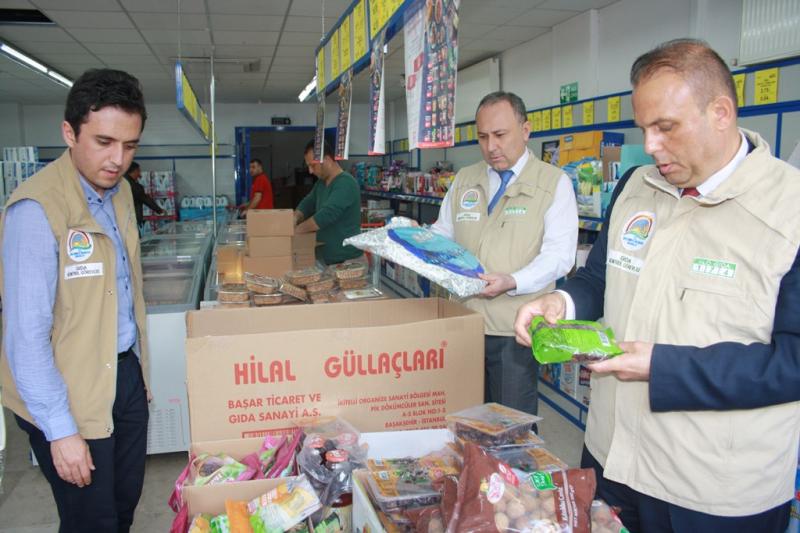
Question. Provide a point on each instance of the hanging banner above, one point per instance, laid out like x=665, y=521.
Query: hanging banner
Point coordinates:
x=321, y=70
x=360, y=30
x=344, y=36
x=431, y=69
x=335, y=70
x=377, y=111
x=343, y=123
x=319, y=134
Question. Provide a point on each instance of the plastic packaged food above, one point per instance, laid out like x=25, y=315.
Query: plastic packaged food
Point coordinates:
x=322, y=297
x=605, y=519
x=439, y=259
x=530, y=459
x=238, y=516
x=353, y=283
x=363, y=294
x=492, y=498
x=268, y=299
x=233, y=305
x=233, y=293
x=324, y=284
x=200, y=524
x=285, y=506
x=409, y=482
x=350, y=270
x=294, y=291
x=220, y=524
x=260, y=284
x=580, y=341
x=221, y=468
x=491, y=424
x=304, y=276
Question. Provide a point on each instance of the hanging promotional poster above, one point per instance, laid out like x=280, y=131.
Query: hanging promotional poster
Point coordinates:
x=431, y=65
x=377, y=111
x=319, y=134
x=343, y=123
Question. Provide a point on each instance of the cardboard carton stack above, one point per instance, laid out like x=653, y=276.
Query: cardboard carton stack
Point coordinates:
x=273, y=247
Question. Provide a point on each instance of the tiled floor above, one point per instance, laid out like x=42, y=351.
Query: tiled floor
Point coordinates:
x=26, y=504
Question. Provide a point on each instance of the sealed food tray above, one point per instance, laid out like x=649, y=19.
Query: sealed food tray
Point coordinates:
x=234, y=305
x=490, y=424
x=353, y=283
x=269, y=299
x=531, y=459
x=322, y=297
x=324, y=284
x=392, y=492
x=304, y=276
x=350, y=270
x=260, y=284
x=233, y=293
x=294, y=291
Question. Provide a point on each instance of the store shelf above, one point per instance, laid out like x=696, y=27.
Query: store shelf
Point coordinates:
x=590, y=223
x=417, y=198
x=397, y=288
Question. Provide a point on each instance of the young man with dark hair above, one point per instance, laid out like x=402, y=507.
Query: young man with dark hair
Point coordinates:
x=261, y=190
x=74, y=360
x=332, y=208
x=695, y=427
x=140, y=196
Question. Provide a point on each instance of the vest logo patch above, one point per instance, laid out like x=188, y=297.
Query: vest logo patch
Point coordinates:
x=516, y=211
x=470, y=199
x=88, y=270
x=632, y=265
x=468, y=217
x=710, y=267
x=637, y=230
x=79, y=245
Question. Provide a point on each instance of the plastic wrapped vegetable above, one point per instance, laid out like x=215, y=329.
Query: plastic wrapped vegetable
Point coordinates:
x=433, y=256
x=580, y=341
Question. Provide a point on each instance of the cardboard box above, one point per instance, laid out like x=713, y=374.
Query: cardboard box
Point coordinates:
x=303, y=243
x=611, y=157
x=270, y=222
x=575, y=146
x=304, y=260
x=268, y=266
x=381, y=365
x=211, y=498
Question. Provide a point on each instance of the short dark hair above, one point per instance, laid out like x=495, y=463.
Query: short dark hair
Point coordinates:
x=134, y=167
x=327, y=147
x=513, y=100
x=257, y=160
x=693, y=60
x=99, y=88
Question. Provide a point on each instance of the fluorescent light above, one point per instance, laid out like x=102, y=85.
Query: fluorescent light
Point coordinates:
x=28, y=61
x=19, y=56
x=308, y=90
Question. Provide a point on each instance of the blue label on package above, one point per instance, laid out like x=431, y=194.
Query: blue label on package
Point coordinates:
x=437, y=250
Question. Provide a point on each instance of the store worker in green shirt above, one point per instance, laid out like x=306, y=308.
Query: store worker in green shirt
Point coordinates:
x=332, y=208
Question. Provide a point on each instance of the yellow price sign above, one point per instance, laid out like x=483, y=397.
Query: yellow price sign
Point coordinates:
x=613, y=109
x=457, y=135
x=556, y=118
x=344, y=35
x=546, y=120
x=588, y=113
x=530, y=118
x=335, y=55
x=566, y=119
x=360, y=30
x=537, y=121
x=321, y=71
x=766, y=86
x=375, y=17
x=738, y=80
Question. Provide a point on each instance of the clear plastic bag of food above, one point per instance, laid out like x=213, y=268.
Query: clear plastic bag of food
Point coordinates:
x=410, y=482
x=491, y=424
x=433, y=256
x=220, y=468
x=605, y=519
x=580, y=341
x=285, y=506
x=530, y=459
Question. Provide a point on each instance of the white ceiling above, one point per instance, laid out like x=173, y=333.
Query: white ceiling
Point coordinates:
x=142, y=37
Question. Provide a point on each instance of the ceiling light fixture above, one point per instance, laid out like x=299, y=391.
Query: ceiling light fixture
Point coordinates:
x=308, y=90
x=27, y=61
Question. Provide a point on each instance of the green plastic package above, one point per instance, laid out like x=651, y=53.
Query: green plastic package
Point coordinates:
x=579, y=341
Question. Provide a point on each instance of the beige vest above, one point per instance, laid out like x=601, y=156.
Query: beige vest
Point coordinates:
x=698, y=271
x=509, y=238
x=84, y=335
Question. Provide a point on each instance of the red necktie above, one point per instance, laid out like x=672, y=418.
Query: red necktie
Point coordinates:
x=690, y=191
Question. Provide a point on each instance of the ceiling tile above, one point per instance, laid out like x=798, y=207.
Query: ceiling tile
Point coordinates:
x=90, y=19
x=576, y=5
x=495, y=12
x=299, y=38
x=233, y=51
x=120, y=61
x=313, y=8
x=546, y=18
x=296, y=51
x=160, y=6
x=16, y=4
x=293, y=69
x=86, y=35
x=171, y=37
x=171, y=50
x=249, y=7
x=128, y=49
x=248, y=23
x=39, y=50
x=469, y=31
x=305, y=61
x=169, y=21
x=311, y=24
x=26, y=34
x=515, y=34
x=78, y=5
x=246, y=37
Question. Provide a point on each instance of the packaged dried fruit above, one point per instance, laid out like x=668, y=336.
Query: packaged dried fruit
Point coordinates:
x=353, y=283
x=234, y=305
x=260, y=284
x=324, y=284
x=605, y=519
x=409, y=482
x=530, y=459
x=233, y=293
x=350, y=270
x=580, y=341
x=304, y=276
x=268, y=299
x=294, y=291
x=491, y=424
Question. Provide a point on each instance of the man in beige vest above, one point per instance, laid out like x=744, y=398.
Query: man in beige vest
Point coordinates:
x=74, y=361
x=696, y=426
x=518, y=216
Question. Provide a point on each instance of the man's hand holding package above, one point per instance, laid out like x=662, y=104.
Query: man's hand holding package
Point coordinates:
x=73, y=460
x=551, y=306
x=633, y=365
x=497, y=284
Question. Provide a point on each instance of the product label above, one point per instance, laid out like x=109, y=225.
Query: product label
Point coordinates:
x=79, y=245
x=516, y=211
x=637, y=230
x=469, y=199
x=83, y=271
x=630, y=264
x=495, y=488
x=711, y=267
x=542, y=481
x=468, y=217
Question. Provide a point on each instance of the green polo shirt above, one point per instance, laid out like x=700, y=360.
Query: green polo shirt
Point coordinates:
x=336, y=209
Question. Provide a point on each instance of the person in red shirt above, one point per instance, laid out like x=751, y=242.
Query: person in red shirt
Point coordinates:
x=261, y=191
